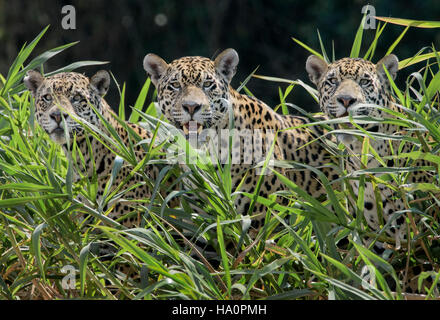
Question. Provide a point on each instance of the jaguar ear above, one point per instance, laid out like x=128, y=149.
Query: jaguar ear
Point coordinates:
x=101, y=82
x=33, y=80
x=155, y=67
x=391, y=63
x=315, y=67
x=226, y=63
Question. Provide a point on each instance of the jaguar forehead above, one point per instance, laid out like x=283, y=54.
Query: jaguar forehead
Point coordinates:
x=352, y=67
x=64, y=83
x=192, y=61
x=193, y=64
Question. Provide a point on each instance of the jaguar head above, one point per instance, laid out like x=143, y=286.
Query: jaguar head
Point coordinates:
x=62, y=97
x=352, y=85
x=193, y=92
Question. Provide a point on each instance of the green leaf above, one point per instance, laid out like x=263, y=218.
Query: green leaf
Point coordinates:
x=316, y=53
x=372, y=49
x=396, y=42
x=121, y=113
x=83, y=255
x=140, y=101
x=26, y=186
x=18, y=62
x=76, y=65
x=416, y=59
x=411, y=23
x=243, y=84
x=225, y=261
x=356, y=47
x=7, y=203
x=36, y=246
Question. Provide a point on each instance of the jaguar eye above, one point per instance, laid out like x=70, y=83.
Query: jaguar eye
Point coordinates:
x=175, y=85
x=47, y=97
x=208, y=83
x=77, y=98
x=333, y=80
x=364, y=82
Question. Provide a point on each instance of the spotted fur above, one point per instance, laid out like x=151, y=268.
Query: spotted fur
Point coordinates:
x=197, y=89
x=70, y=95
x=357, y=86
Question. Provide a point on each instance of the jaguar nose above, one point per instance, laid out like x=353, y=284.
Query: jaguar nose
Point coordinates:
x=191, y=107
x=346, y=100
x=57, y=117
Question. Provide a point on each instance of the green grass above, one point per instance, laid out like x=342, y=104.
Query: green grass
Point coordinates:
x=295, y=254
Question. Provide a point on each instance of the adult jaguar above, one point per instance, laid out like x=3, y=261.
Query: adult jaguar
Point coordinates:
x=357, y=86
x=194, y=94
x=66, y=98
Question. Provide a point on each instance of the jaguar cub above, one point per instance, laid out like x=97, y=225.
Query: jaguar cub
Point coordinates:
x=195, y=95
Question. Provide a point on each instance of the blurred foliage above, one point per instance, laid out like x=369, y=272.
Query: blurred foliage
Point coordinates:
x=122, y=32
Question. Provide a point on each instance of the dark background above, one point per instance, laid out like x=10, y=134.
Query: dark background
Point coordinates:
x=122, y=32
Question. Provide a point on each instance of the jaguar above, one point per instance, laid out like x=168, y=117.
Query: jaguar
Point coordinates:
x=359, y=88
x=195, y=94
x=62, y=102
